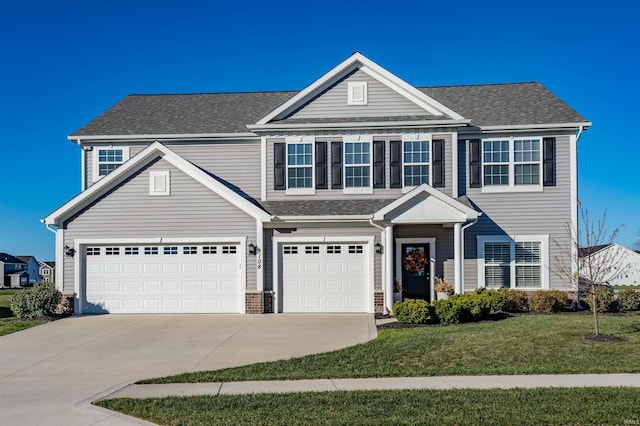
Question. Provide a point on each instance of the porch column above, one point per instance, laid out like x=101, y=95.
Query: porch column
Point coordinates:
x=388, y=262
x=457, y=258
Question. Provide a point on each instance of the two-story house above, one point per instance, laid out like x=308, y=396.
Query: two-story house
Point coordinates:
x=33, y=268
x=14, y=271
x=318, y=200
x=47, y=271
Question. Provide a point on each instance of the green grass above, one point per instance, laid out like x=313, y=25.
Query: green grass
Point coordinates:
x=576, y=406
x=527, y=344
x=624, y=287
x=9, y=324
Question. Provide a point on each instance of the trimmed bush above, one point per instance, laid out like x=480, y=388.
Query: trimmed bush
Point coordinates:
x=413, y=311
x=605, y=298
x=41, y=301
x=515, y=301
x=548, y=301
x=496, y=298
x=461, y=308
x=629, y=300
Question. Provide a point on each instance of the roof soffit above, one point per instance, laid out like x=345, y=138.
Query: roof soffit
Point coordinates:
x=358, y=61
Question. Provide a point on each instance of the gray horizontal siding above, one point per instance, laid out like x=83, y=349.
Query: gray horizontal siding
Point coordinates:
x=235, y=162
x=191, y=211
x=524, y=213
x=382, y=102
x=332, y=194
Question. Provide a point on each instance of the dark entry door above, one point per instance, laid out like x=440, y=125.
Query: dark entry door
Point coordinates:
x=415, y=271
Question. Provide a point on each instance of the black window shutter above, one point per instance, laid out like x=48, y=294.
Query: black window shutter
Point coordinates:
x=474, y=163
x=378, y=164
x=549, y=161
x=438, y=163
x=321, y=165
x=395, y=177
x=279, y=166
x=336, y=165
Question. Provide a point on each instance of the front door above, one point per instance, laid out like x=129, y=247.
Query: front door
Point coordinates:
x=415, y=271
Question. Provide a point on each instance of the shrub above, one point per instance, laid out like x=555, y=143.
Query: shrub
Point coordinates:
x=605, y=298
x=413, y=311
x=461, y=308
x=496, y=298
x=549, y=301
x=38, y=302
x=629, y=300
x=515, y=301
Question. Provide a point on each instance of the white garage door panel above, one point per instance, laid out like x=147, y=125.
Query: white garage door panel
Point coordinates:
x=324, y=277
x=164, y=280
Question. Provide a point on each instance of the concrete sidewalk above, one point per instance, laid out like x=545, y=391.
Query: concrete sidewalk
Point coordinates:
x=444, y=382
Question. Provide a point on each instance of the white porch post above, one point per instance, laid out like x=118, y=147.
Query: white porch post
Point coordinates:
x=388, y=261
x=458, y=258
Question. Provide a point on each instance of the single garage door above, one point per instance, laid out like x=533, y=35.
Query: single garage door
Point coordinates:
x=202, y=278
x=324, y=277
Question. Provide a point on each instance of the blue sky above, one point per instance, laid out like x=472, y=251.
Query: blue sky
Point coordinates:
x=62, y=63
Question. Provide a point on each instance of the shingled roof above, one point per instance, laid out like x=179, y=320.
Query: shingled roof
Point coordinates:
x=211, y=113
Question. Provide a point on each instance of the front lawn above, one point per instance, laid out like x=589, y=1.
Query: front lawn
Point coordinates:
x=576, y=406
x=526, y=344
x=9, y=324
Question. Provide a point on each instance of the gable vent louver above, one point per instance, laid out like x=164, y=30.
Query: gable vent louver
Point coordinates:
x=159, y=183
x=357, y=93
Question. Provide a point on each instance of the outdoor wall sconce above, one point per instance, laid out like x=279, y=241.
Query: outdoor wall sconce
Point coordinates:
x=69, y=251
x=378, y=248
x=252, y=248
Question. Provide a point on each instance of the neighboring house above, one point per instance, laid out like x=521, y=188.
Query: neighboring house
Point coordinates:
x=17, y=279
x=47, y=271
x=10, y=264
x=317, y=200
x=620, y=265
x=33, y=268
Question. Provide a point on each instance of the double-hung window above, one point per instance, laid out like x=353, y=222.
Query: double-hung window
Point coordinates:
x=512, y=163
x=416, y=162
x=518, y=262
x=299, y=165
x=357, y=165
x=106, y=160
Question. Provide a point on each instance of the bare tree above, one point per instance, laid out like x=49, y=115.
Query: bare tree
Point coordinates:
x=592, y=260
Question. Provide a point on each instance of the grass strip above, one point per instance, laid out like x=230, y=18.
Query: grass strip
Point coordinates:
x=527, y=344
x=575, y=406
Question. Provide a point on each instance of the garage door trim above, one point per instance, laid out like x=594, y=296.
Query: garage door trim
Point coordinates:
x=366, y=241
x=80, y=264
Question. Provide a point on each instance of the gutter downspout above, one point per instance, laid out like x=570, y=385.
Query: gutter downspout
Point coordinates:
x=578, y=134
x=462, y=250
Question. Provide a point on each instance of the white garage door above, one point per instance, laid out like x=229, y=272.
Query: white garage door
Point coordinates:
x=163, y=279
x=324, y=277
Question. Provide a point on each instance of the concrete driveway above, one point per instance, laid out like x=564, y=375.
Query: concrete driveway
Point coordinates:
x=48, y=373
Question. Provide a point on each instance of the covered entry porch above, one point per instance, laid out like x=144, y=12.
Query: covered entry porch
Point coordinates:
x=423, y=235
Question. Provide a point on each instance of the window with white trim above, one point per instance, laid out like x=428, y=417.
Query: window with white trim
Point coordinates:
x=357, y=164
x=299, y=165
x=416, y=161
x=170, y=250
x=106, y=160
x=517, y=263
x=512, y=162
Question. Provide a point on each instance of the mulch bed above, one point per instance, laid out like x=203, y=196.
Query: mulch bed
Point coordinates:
x=602, y=338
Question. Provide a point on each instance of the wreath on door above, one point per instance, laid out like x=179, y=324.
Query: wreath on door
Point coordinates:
x=414, y=261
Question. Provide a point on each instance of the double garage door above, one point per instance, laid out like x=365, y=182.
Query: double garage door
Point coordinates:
x=203, y=278
x=325, y=277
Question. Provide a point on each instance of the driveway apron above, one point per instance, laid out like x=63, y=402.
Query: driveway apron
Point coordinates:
x=48, y=371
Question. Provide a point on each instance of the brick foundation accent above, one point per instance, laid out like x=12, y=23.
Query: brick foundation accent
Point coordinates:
x=253, y=302
x=65, y=307
x=267, y=302
x=378, y=302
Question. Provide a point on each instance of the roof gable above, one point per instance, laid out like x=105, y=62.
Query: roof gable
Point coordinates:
x=142, y=159
x=358, y=64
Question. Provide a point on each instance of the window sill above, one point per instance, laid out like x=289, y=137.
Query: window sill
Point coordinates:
x=507, y=188
x=357, y=190
x=300, y=191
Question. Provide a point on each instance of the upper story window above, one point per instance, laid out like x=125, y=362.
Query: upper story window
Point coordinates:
x=299, y=165
x=416, y=162
x=512, y=162
x=106, y=160
x=357, y=164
